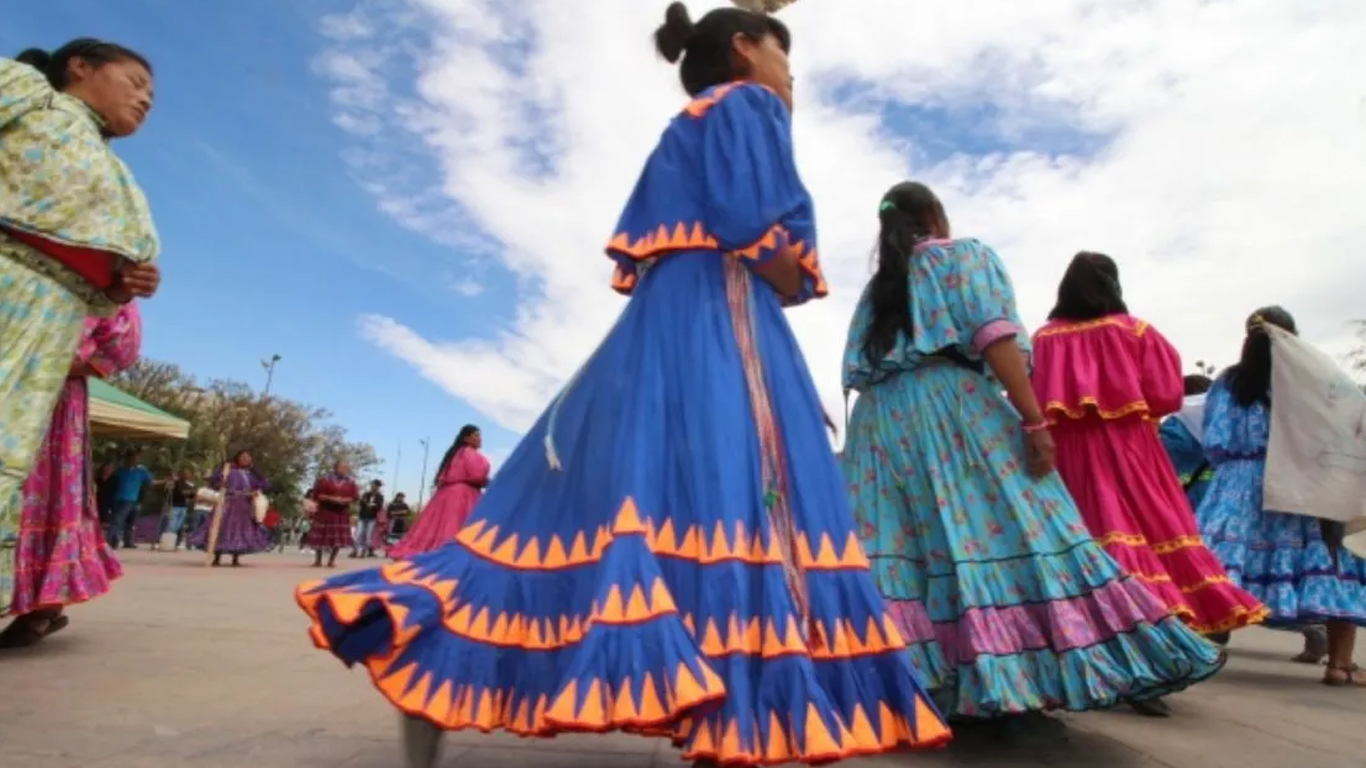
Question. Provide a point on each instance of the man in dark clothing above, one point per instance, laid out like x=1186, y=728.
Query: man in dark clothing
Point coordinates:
x=400, y=514
x=371, y=502
x=182, y=499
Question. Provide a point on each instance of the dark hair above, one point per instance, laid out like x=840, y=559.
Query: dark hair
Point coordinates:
x=909, y=214
x=310, y=493
x=1196, y=384
x=705, y=47
x=97, y=53
x=461, y=441
x=1250, y=377
x=1089, y=289
x=236, y=456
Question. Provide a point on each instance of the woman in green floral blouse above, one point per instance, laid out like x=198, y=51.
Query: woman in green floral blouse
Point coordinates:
x=76, y=235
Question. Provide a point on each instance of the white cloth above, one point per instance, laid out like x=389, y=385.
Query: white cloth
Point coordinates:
x=205, y=498
x=1316, y=449
x=1192, y=416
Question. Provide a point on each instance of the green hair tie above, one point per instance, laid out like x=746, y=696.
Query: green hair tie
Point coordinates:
x=887, y=205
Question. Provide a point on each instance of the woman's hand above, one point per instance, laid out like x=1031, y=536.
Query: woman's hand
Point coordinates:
x=1040, y=453
x=140, y=281
x=784, y=273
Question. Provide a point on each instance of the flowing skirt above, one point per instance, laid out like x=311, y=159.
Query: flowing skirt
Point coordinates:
x=1280, y=558
x=649, y=574
x=40, y=327
x=440, y=521
x=329, y=530
x=63, y=558
x=239, y=533
x=1008, y=603
x=1128, y=494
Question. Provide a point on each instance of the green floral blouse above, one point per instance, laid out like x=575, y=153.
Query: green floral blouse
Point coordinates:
x=60, y=180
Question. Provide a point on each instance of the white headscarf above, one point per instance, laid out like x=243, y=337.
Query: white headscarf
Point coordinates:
x=1192, y=416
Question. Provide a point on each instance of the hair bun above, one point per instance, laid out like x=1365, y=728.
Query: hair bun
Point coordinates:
x=37, y=58
x=673, y=35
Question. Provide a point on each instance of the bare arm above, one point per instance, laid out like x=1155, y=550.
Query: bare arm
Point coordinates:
x=1008, y=363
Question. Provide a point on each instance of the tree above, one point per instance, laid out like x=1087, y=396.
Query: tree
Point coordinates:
x=290, y=442
x=332, y=445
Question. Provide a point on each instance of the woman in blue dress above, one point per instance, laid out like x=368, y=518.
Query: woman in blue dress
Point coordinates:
x=1181, y=434
x=1283, y=559
x=1008, y=604
x=669, y=551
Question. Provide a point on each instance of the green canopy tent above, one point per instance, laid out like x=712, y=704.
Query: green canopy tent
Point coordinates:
x=115, y=413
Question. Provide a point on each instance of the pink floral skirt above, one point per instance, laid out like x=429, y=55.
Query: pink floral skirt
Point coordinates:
x=62, y=557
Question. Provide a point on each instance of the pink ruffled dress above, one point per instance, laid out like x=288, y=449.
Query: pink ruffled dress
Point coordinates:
x=1104, y=384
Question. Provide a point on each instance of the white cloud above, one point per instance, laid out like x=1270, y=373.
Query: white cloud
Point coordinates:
x=1232, y=176
x=467, y=287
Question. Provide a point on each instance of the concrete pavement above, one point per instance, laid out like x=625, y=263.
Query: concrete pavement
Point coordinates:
x=189, y=667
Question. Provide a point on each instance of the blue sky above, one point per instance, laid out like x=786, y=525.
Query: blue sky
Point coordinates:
x=327, y=175
x=269, y=246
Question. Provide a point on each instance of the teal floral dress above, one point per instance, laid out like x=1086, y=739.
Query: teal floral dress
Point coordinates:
x=1007, y=603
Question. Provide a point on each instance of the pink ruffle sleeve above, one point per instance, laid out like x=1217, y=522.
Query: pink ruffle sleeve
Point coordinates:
x=111, y=344
x=1113, y=367
x=993, y=332
x=1163, y=385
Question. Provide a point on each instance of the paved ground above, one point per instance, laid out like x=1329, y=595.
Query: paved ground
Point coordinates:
x=193, y=667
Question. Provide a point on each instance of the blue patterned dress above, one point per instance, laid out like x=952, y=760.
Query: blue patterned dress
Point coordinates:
x=1008, y=603
x=1280, y=558
x=669, y=551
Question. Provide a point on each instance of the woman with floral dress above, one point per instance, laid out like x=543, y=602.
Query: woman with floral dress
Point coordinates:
x=1285, y=560
x=76, y=237
x=63, y=557
x=987, y=567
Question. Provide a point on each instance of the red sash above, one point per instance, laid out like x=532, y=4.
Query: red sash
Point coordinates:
x=95, y=266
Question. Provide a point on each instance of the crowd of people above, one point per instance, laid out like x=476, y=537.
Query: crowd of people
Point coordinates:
x=1017, y=523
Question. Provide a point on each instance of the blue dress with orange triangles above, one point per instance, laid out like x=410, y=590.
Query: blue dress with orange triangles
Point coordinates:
x=670, y=550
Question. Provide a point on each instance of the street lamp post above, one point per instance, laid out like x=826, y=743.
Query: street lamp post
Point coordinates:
x=269, y=365
x=422, y=481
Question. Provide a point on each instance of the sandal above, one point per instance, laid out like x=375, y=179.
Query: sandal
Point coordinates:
x=1315, y=647
x=25, y=631
x=56, y=624
x=1339, y=676
x=1151, y=708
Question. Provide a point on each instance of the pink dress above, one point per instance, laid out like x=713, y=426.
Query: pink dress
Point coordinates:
x=62, y=557
x=1104, y=384
x=458, y=490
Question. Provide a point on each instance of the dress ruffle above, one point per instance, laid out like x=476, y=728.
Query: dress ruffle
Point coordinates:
x=1008, y=604
x=1094, y=370
x=637, y=589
